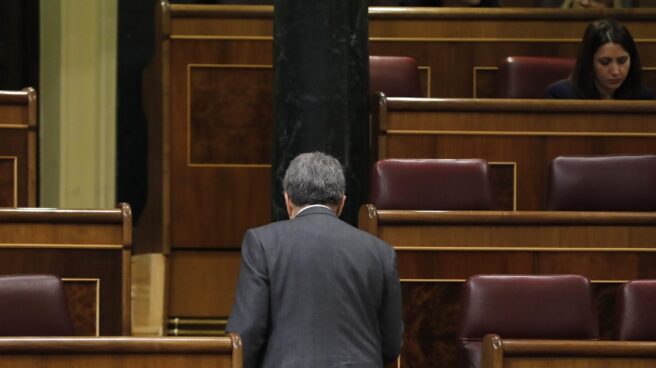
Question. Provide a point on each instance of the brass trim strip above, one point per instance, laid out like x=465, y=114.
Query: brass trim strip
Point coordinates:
x=217, y=66
x=516, y=133
x=97, y=282
x=176, y=321
x=187, y=332
x=14, y=126
x=524, y=249
x=61, y=246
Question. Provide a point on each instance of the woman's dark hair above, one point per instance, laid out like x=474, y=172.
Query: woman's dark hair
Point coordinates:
x=599, y=33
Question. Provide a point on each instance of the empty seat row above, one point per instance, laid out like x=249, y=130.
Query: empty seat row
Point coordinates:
x=548, y=307
x=577, y=183
x=518, y=77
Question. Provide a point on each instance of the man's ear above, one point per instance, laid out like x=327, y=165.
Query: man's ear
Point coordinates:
x=289, y=205
x=340, y=205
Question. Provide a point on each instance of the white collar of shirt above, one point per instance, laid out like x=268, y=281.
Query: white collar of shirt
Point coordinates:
x=310, y=206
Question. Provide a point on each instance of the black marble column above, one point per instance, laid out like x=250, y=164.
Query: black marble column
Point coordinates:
x=320, y=91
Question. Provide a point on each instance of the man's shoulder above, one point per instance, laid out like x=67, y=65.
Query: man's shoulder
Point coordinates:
x=333, y=224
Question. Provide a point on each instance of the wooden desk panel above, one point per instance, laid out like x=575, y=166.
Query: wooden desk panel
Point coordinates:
x=527, y=133
x=18, y=148
x=498, y=353
x=125, y=352
x=201, y=47
x=438, y=250
x=88, y=249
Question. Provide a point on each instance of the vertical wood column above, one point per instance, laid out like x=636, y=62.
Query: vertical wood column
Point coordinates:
x=320, y=91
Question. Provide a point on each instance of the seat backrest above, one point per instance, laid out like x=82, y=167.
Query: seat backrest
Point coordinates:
x=529, y=76
x=430, y=184
x=602, y=183
x=395, y=76
x=525, y=307
x=33, y=305
x=635, y=311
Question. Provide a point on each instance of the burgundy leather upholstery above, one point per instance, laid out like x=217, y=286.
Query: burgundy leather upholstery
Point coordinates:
x=529, y=76
x=33, y=305
x=635, y=311
x=602, y=183
x=525, y=306
x=431, y=184
x=395, y=76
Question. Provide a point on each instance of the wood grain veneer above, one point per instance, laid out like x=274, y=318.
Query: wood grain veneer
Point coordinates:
x=18, y=148
x=89, y=249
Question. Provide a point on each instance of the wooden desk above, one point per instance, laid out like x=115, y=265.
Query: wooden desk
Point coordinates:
x=18, y=148
x=209, y=173
x=498, y=353
x=88, y=249
x=518, y=137
x=121, y=352
x=438, y=250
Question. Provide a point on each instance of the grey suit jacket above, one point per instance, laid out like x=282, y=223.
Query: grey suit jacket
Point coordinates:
x=317, y=292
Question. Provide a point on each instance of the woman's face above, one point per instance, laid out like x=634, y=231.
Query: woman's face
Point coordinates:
x=611, y=66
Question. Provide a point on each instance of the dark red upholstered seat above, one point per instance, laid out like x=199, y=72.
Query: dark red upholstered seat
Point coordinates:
x=527, y=307
x=430, y=184
x=395, y=76
x=603, y=183
x=33, y=305
x=529, y=76
x=635, y=311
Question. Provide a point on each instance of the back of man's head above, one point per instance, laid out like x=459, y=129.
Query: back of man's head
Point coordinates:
x=314, y=178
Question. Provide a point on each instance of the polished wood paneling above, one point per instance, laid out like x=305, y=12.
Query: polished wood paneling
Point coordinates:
x=438, y=250
x=207, y=106
x=224, y=130
x=8, y=182
x=498, y=353
x=202, y=284
x=18, y=148
x=529, y=133
x=209, y=198
x=82, y=296
x=447, y=43
x=89, y=249
x=121, y=352
x=431, y=311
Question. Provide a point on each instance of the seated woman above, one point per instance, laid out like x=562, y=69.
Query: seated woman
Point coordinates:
x=607, y=67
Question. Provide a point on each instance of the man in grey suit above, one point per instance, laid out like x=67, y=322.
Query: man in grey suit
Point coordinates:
x=314, y=291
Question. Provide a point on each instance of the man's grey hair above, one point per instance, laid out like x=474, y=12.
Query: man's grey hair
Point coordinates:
x=314, y=178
